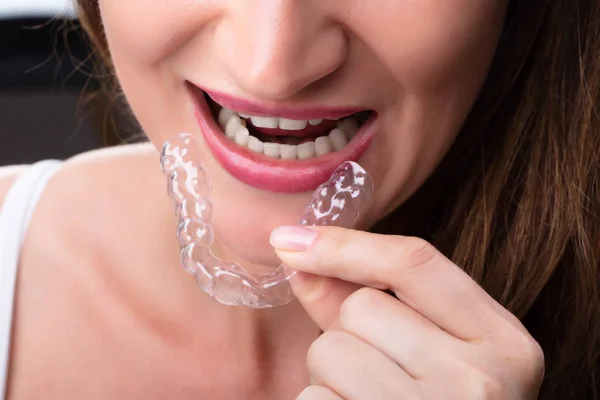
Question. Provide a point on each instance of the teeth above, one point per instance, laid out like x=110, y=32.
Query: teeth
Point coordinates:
x=292, y=124
x=323, y=145
x=233, y=126
x=224, y=116
x=242, y=136
x=336, y=140
x=268, y=122
x=339, y=140
x=255, y=144
x=271, y=150
x=349, y=126
x=288, y=151
x=265, y=122
x=291, y=147
x=306, y=150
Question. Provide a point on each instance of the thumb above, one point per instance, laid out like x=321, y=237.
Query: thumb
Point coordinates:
x=322, y=297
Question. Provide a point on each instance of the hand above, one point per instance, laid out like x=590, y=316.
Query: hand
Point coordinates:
x=443, y=338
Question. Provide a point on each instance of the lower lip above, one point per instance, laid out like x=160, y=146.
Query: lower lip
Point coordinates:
x=275, y=175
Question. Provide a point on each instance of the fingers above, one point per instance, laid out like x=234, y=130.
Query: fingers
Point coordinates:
x=399, y=332
x=420, y=276
x=322, y=297
x=355, y=370
x=315, y=392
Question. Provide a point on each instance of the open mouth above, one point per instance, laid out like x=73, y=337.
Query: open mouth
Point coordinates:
x=284, y=138
x=280, y=149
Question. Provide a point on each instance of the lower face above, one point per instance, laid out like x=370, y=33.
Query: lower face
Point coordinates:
x=279, y=93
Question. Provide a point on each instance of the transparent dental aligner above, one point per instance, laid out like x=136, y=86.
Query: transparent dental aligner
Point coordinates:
x=337, y=202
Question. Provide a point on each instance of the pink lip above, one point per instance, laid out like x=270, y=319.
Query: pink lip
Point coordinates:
x=277, y=110
x=262, y=172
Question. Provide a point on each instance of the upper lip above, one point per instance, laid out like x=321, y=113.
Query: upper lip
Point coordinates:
x=266, y=109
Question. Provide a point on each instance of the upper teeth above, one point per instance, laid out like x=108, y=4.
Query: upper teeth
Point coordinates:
x=235, y=128
x=264, y=122
x=270, y=122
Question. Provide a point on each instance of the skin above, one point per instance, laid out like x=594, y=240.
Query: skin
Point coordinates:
x=114, y=317
x=422, y=80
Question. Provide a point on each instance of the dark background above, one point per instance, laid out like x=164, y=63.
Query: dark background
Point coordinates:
x=49, y=101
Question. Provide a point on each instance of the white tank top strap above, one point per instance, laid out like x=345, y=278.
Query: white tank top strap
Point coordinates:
x=15, y=215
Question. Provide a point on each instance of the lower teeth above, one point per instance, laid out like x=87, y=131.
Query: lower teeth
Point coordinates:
x=291, y=148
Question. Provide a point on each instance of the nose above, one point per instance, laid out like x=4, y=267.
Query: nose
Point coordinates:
x=272, y=49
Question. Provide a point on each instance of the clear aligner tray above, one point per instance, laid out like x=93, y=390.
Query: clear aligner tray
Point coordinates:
x=337, y=202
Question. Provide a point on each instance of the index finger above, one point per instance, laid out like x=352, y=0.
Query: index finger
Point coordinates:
x=418, y=273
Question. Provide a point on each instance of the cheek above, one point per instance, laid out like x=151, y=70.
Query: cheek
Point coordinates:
x=143, y=36
x=428, y=44
x=147, y=32
x=431, y=57
x=438, y=52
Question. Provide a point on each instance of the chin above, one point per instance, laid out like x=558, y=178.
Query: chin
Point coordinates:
x=245, y=216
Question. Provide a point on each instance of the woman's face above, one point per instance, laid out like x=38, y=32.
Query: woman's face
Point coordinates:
x=405, y=71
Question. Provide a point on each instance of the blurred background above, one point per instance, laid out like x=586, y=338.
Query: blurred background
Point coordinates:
x=50, y=105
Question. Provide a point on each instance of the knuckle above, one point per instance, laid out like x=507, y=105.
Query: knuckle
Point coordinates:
x=481, y=385
x=357, y=305
x=417, y=252
x=532, y=356
x=411, y=255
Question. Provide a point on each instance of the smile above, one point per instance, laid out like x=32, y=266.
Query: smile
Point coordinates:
x=279, y=149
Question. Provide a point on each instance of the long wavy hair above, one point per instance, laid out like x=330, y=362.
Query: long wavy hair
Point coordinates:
x=516, y=201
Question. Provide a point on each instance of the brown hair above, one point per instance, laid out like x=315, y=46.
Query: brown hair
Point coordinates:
x=516, y=201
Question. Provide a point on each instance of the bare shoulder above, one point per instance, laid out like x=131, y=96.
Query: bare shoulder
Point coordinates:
x=94, y=197
x=72, y=286
x=109, y=164
x=100, y=194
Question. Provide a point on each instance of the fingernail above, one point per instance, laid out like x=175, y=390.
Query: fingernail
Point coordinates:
x=293, y=238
